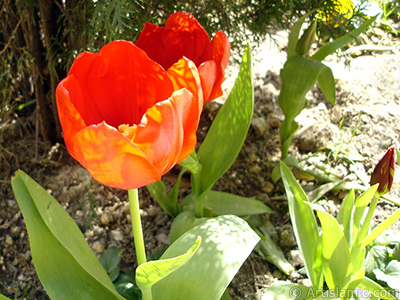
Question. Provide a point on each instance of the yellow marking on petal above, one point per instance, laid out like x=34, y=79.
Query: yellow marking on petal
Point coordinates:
x=128, y=131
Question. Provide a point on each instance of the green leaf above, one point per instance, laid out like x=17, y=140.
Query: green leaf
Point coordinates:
x=303, y=222
x=169, y=203
x=2, y=297
x=229, y=204
x=183, y=222
x=151, y=272
x=267, y=248
x=191, y=163
x=390, y=275
x=375, y=289
x=375, y=258
x=58, y=244
x=331, y=47
x=110, y=260
x=337, y=264
x=288, y=291
x=226, y=243
x=294, y=36
x=381, y=228
x=345, y=216
x=228, y=130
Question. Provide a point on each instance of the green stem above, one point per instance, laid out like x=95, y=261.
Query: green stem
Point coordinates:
x=138, y=234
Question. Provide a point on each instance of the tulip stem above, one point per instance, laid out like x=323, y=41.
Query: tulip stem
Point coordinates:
x=137, y=226
x=133, y=196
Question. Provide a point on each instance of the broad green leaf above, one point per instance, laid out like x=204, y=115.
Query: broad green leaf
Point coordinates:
x=229, y=204
x=331, y=47
x=376, y=289
x=168, y=203
x=58, y=244
x=345, y=216
x=356, y=279
x=335, y=252
x=381, y=228
x=183, y=222
x=228, y=130
x=299, y=76
x=390, y=275
x=191, y=163
x=326, y=83
x=151, y=272
x=2, y=297
x=294, y=36
x=375, y=259
x=226, y=242
x=304, y=223
x=110, y=260
x=288, y=291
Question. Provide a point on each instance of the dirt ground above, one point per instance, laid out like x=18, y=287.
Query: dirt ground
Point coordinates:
x=347, y=140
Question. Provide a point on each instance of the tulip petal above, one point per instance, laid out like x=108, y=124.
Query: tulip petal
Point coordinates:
x=184, y=74
x=208, y=72
x=112, y=159
x=162, y=135
x=220, y=49
x=70, y=119
x=122, y=82
x=182, y=36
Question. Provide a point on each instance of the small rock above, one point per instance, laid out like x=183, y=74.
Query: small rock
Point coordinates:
x=27, y=255
x=9, y=240
x=295, y=258
x=267, y=187
x=277, y=274
x=106, y=219
x=287, y=238
x=259, y=125
x=117, y=235
x=127, y=208
x=153, y=211
x=255, y=169
x=98, y=247
x=11, y=203
x=273, y=122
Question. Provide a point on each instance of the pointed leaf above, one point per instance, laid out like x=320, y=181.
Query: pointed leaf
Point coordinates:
x=376, y=289
x=303, y=222
x=294, y=36
x=345, y=216
x=151, y=272
x=335, y=252
x=228, y=130
x=226, y=243
x=169, y=203
x=58, y=244
x=229, y=204
x=331, y=47
x=2, y=297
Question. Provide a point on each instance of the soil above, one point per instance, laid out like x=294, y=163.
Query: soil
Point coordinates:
x=346, y=140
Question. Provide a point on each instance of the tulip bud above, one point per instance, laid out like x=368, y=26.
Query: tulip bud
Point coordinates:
x=307, y=39
x=384, y=171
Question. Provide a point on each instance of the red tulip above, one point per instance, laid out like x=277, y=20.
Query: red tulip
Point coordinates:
x=184, y=36
x=384, y=171
x=126, y=119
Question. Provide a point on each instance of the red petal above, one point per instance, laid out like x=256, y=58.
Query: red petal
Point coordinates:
x=70, y=119
x=121, y=82
x=164, y=134
x=220, y=49
x=208, y=72
x=182, y=36
x=112, y=159
x=184, y=74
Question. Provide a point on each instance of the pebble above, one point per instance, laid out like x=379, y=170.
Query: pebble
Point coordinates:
x=116, y=235
x=162, y=238
x=255, y=169
x=277, y=274
x=9, y=240
x=11, y=203
x=153, y=211
x=106, y=219
x=295, y=258
x=273, y=122
x=259, y=125
x=98, y=247
x=267, y=187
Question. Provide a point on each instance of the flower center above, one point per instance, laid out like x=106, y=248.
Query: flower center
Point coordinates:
x=128, y=131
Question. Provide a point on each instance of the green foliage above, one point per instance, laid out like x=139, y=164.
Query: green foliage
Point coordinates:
x=58, y=244
x=336, y=252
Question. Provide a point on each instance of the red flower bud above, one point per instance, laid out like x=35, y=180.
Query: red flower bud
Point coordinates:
x=384, y=171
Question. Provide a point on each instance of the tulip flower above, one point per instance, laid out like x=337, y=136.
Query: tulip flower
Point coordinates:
x=384, y=171
x=126, y=119
x=181, y=36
